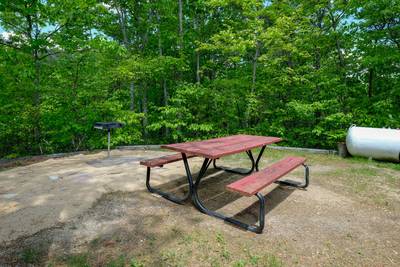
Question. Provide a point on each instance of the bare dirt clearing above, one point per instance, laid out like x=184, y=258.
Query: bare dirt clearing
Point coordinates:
x=86, y=209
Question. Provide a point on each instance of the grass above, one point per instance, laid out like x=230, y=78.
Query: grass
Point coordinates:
x=367, y=181
x=117, y=262
x=30, y=256
x=135, y=263
x=359, y=177
x=213, y=249
x=85, y=260
x=77, y=260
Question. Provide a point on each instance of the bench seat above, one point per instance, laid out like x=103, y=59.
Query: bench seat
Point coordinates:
x=159, y=162
x=252, y=184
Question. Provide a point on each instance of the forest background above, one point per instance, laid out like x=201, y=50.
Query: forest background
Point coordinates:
x=179, y=70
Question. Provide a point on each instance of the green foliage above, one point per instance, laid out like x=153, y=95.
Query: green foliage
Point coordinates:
x=117, y=262
x=30, y=256
x=184, y=117
x=77, y=260
x=135, y=263
x=301, y=70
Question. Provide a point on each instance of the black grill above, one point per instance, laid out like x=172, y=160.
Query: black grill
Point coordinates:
x=108, y=126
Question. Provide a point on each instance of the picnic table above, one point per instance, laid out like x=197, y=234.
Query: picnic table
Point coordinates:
x=212, y=150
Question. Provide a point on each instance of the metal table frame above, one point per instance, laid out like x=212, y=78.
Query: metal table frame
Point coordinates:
x=194, y=185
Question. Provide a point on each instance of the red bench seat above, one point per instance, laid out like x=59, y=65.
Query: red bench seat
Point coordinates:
x=159, y=162
x=252, y=184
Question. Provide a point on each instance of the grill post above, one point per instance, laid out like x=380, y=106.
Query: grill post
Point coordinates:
x=108, y=126
x=108, y=140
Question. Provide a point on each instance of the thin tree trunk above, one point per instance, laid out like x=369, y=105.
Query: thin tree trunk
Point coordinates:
x=74, y=108
x=317, y=66
x=197, y=30
x=335, y=23
x=164, y=81
x=36, y=102
x=339, y=52
x=160, y=52
x=320, y=15
x=198, y=67
x=370, y=82
x=32, y=34
x=145, y=111
x=132, y=95
x=180, y=15
x=180, y=44
x=122, y=24
x=254, y=76
x=165, y=93
x=145, y=85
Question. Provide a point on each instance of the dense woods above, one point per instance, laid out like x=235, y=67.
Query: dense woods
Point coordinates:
x=176, y=70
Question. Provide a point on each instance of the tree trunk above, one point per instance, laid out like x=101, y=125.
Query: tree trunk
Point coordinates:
x=254, y=76
x=335, y=22
x=132, y=95
x=164, y=81
x=340, y=54
x=122, y=24
x=197, y=67
x=318, y=23
x=317, y=66
x=145, y=111
x=32, y=34
x=180, y=15
x=36, y=102
x=160, y=52
x=370, y=82
x=197, y=30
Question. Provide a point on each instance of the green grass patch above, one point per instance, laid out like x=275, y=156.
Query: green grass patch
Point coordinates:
x=77, y=260
x=30, y=256
x=117, y=262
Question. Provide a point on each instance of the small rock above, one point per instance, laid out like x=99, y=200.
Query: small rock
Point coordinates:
x=54, y=177
x=8, y=196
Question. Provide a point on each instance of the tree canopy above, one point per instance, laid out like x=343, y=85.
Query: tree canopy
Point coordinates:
x=175, y=70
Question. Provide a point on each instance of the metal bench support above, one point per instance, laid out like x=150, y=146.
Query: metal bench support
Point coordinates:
x=200, y=206
x=298, y=185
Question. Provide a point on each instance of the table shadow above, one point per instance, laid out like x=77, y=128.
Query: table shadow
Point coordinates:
x=273, y=198
x=215, y=196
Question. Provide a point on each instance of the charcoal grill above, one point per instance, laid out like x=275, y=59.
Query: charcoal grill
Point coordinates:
x=107, y=126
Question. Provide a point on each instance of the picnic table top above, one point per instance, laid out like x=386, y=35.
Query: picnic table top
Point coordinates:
x=224, y=146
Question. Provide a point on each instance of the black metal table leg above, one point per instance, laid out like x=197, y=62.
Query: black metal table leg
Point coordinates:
x=259, y=157
x=200, y=206
x=169, y=196
x=175, y=199
x=254, y=164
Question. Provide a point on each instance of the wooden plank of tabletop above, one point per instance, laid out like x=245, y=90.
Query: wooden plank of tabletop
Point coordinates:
x=224, y=146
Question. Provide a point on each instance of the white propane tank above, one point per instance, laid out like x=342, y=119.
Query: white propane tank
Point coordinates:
x=376, y=143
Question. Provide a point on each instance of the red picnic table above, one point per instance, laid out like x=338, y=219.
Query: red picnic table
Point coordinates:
x=212, y=150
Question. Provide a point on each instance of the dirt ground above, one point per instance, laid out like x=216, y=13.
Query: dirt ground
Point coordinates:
x=87, y=210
